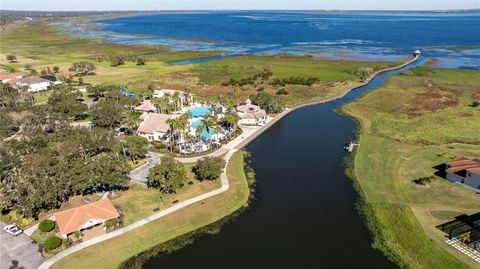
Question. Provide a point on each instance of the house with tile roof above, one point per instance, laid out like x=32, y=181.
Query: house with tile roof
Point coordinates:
x=464, y=171
x=146, y=106
x=10, y=78
x=251, y=114
x=155, y=127
x=86, y=218
x=33, y=83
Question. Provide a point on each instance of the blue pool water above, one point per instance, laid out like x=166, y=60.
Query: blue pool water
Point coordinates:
x=128, y=93
x=205, y=134
x=198, y=112
x=453, y=39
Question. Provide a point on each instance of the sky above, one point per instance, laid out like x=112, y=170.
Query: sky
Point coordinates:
x=238, y=4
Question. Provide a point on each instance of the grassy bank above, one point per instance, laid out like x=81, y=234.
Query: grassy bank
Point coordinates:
x=111, y=253
x=415, y=122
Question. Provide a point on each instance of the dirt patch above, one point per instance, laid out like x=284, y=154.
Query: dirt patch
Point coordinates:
x=431, y=101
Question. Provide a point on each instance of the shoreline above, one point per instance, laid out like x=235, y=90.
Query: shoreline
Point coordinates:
x=224, y=179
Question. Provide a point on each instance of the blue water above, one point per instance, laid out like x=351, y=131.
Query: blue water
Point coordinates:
x=454, y=39
x=128, y=93
x=205, y=134
x=198, y=112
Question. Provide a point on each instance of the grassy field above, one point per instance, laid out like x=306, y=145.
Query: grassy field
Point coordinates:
x=403, y=136
x=111, y=253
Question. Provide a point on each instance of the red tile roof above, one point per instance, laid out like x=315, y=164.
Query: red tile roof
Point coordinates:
x=74, y=219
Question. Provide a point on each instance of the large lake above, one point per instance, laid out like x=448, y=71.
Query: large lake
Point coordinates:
x=454, y=39
x=304, y=212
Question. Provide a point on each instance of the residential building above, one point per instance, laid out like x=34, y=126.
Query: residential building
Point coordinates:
x=52, y=79
x=251, y=114
x=88, y=219
x=464, y=171
x=154, y=127
x=146, y=106
x=33, y=83
x=9, y=78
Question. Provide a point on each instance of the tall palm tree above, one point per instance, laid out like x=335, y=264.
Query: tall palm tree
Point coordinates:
x=199, y=132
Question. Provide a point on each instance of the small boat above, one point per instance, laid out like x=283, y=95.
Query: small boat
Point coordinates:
x=349, y=146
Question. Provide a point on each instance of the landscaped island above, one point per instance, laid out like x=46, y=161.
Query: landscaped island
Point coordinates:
x=79, y=115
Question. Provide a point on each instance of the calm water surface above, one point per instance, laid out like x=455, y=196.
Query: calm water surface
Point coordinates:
x=454, y=39
x=303, y=215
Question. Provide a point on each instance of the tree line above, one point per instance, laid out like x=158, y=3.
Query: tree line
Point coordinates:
x=44, y=160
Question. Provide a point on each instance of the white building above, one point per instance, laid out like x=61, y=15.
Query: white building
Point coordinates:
x=154, y=127
x=251, y=114
x=33, y=84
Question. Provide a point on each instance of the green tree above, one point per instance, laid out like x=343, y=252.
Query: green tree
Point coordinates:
x=271, y=103
x=56, y=69
x=209, y=168
x=168, y=176
x=107, y=114
x=140, y=61
x=66, y=101
x=230, y=120
x=11, y=58
x=117, y=60
x=136, y=146
x=82, y=68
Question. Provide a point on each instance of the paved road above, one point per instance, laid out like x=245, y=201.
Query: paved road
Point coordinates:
x=18, y=248
x=140, y=174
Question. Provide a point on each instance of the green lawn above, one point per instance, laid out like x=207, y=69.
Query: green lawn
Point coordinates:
x=111, y=253
x=397, y=147
x=139, y=201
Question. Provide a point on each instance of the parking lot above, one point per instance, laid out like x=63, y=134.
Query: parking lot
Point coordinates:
x=20, y=250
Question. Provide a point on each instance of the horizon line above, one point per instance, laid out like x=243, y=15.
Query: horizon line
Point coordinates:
x=203, y=10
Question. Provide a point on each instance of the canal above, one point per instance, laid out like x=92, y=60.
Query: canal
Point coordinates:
x=303, y=215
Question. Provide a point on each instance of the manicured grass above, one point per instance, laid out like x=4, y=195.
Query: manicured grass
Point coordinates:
x=401, y=214
x=111, y=253
x=139, y=201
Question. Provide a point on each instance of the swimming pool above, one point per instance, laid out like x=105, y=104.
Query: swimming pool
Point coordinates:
x=205, y=134
x=128, y=93
x=198, y=112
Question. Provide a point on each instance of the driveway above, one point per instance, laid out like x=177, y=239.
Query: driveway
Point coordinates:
x=19, y=249
x=140, y=174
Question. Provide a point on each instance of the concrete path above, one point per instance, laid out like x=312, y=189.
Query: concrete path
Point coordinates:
x=20, y=250
x=140, y=174
x=230, y=148
x=225, y=186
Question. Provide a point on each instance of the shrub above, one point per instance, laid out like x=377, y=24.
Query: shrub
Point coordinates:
x=46, y=225
x=67, y=242
x=476, y=104
x=282, y=92
x=111, y=223
x=52, y=243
